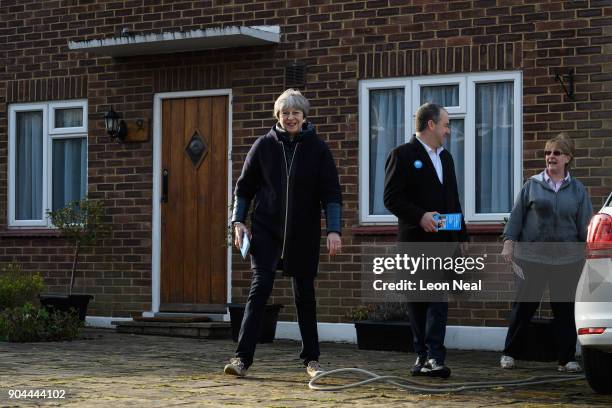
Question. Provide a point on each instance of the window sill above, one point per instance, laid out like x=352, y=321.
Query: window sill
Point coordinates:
x=473, y=229
x=30, y=233
x=374, y=230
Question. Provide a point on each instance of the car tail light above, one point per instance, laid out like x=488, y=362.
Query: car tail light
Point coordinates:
x=599, y=236
x=591, y=330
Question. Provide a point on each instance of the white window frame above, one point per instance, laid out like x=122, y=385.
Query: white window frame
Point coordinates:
x=470, y=144
x=50, y=133
x=67, y=105
x=364, y=141
x=465, y=110
x=437, y=80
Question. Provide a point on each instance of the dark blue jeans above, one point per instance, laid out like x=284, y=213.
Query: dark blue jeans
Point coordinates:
x=428, y=324
x=305, y=303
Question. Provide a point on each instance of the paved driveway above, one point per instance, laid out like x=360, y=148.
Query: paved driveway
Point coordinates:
x=107, y=369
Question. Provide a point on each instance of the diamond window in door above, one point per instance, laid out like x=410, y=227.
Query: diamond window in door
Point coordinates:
x=196, y=149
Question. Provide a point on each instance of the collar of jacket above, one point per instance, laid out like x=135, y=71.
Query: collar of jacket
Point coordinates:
x=282, y=136
x=541, y=180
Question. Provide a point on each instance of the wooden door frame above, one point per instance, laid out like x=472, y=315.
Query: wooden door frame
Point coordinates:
x=157, y=168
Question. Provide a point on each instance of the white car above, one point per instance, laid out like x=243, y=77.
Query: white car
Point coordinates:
x=593, y=308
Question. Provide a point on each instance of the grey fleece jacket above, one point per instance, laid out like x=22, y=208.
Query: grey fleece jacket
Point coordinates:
x=542, y=216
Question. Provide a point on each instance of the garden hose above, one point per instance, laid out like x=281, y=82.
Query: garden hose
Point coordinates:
x=411, y=385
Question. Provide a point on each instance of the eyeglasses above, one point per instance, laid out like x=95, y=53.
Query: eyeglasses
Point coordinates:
x=294, y=114
x=553, y=152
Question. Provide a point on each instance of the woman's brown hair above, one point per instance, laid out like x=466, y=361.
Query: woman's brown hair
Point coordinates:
x=565, y=144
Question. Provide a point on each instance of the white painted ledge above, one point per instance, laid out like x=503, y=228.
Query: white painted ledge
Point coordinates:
x=457, y=337
x=104, y=322
x=180, y=41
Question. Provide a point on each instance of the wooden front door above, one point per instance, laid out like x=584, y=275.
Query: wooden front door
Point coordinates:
x=194, y=205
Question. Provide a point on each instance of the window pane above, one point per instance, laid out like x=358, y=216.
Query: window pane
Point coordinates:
x=386, y=132
x=29, y=166
x=72, y=117
x=69, y=170
x=443, y=95
x=455, y=145
x=494, y=130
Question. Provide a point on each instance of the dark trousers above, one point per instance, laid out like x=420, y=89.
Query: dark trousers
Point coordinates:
x=305, y=303
x=562, y=281
x=428, y=324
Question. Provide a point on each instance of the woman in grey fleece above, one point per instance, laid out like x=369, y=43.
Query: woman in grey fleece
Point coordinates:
x=544, y=241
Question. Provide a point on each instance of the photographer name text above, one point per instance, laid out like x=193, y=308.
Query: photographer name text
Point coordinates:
x=421, y=285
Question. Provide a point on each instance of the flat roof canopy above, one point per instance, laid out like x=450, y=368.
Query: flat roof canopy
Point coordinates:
x=180, y=41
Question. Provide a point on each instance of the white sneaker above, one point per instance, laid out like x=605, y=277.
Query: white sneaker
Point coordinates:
x=571, y=367
x=433, y=369
x=506, y=362
x=314, y=368
x=235, y=367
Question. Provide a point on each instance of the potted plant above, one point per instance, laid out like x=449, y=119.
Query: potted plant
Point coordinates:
x=81, y=223
x=383, y=326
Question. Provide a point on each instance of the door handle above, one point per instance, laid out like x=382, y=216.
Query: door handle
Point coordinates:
x=164, y=197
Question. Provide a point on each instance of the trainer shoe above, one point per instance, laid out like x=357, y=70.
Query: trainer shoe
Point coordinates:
x=418, y=365
x=571, y=367
x=235, y=367
x=433, y=369
x=314, y=368
x=506, y=362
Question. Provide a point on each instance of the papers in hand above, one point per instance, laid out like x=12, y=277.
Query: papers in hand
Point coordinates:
x=518, y=271
x=448, y=222
x=246, y=244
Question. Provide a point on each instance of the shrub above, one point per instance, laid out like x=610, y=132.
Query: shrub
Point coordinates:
x=20, y=324
x=82, y=224
x=64, y=325
x=17, y=287
x=27, y=323
x=384, y=311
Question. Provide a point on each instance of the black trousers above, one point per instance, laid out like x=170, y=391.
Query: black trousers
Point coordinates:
x=305, y=303
x=428, y=324
x=562, y=281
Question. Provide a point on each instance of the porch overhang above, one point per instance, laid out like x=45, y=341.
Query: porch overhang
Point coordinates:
x=180, y=41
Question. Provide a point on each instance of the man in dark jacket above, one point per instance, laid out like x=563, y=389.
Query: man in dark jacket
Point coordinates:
x=420, y=182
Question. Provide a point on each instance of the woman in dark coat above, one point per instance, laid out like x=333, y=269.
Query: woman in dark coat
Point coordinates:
x=289, y=174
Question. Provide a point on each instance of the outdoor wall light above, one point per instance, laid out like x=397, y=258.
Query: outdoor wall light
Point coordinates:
x=115, y=126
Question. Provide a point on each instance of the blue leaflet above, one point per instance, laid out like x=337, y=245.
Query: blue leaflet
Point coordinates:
x=448, y=222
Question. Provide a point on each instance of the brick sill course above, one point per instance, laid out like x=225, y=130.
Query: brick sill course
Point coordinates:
x=473, y=229
x=30, y=233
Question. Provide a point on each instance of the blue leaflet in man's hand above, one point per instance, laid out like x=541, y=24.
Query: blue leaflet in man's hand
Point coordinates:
x=448, y=222
x=246, y=244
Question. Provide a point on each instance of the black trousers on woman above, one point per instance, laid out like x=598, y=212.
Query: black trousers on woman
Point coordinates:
x=562, y=281
x=305, y=303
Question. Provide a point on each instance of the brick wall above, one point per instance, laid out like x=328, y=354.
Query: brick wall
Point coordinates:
x=341, y=42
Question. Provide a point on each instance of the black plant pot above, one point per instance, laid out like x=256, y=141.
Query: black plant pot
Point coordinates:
x=538, y=342
x=384, y=335
x=66, y=302
x=268, y=330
